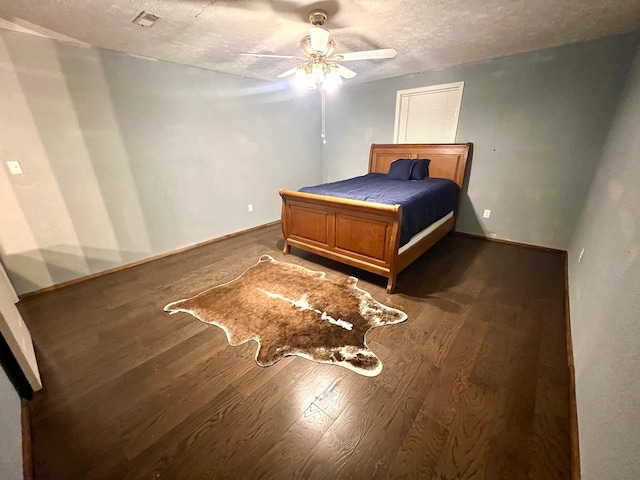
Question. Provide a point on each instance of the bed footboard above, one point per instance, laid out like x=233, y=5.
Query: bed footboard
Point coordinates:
x=365, y=235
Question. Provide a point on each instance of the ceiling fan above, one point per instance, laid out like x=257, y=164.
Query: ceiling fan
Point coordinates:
x=319, y=67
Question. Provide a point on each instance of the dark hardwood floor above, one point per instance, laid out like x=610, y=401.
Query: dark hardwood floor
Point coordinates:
x=474, y=385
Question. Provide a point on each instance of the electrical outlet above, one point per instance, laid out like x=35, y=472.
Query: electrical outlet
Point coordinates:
x=250, y=208
x=486, y=214
x=14, y=167
x=580, y=256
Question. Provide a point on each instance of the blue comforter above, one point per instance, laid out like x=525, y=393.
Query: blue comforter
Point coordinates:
x=423, y=201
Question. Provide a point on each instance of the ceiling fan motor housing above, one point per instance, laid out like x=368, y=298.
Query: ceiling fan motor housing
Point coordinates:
x=305, y=45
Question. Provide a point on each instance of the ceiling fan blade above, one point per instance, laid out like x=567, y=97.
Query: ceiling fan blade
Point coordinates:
x=366, y=55
x=288, y=72
x=345, y=72
x=319, y=39
x=268, y=55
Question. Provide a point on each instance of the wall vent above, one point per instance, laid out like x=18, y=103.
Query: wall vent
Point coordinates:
x=146, y=19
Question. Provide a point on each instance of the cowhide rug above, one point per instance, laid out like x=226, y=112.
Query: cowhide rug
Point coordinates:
x=291, y=310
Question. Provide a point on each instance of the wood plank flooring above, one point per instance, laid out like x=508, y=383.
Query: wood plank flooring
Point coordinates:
x=474, y=385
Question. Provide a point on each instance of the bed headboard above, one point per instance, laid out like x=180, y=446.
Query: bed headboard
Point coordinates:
x=448, y=160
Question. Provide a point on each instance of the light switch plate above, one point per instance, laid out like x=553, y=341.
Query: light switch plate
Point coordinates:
x=14, y=167
x=486, y=214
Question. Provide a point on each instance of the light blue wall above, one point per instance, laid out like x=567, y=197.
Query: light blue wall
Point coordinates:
x=538, y=122
x=10, y=431
x=605, y=301
x=126, y=158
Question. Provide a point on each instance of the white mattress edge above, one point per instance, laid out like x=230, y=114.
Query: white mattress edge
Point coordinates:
x=420, y=235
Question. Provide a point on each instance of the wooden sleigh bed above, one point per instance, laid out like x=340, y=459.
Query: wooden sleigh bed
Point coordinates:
x=363, y=234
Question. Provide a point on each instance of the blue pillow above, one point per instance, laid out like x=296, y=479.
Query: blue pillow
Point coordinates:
x=420, y=169
x=400, y=169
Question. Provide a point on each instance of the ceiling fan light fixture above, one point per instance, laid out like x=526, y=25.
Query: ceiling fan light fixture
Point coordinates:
x=330, y=86
x=310, y=83
x=317, y=74
x=332, y=79
x=300, y=78
x=317, y=70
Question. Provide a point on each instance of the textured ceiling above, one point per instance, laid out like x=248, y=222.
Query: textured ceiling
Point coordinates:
x=427, y=34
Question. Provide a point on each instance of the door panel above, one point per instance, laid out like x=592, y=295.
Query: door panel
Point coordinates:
x=16, y=333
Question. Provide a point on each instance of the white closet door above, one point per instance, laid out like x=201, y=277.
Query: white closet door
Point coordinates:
x=16, y=333
x=428, y=114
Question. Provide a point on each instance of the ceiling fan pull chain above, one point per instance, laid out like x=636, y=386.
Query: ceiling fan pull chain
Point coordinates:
x=324, y=138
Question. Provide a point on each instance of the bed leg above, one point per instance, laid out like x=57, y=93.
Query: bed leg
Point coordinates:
x=391, y=284
x=287, y=248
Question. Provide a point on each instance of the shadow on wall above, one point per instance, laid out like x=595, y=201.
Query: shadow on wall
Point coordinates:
x=468, y=215
x=104, y=152
x=134, y=158
x=470, y=218
x=76, y=197
x=57, y=261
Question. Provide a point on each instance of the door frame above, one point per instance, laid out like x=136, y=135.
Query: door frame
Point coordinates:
x=445, y=87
